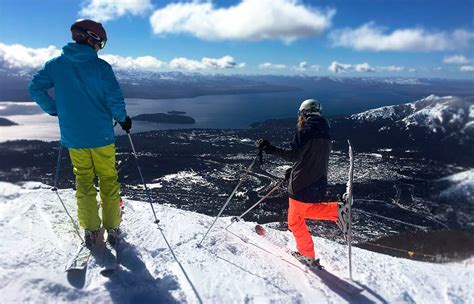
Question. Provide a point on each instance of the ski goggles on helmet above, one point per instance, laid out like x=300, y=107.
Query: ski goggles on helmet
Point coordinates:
x=97, y=38
x=101, y=42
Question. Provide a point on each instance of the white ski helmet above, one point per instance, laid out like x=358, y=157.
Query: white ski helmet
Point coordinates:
x=310, y=107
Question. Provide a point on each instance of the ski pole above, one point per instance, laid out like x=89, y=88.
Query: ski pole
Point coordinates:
x=350, y=201
x=147, y=191
x=157, y=221
x=242, y=179
x=55, y=190
x=238, y=218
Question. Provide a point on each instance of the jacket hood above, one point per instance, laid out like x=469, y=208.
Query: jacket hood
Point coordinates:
x=79, y=52
x=318, y=125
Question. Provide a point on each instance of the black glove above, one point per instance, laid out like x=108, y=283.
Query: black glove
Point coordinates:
x=264, y=145
x=126, y=124
x=288, y=173
x=54, y=114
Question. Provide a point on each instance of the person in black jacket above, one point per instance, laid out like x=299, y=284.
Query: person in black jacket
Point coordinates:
x=309, y=151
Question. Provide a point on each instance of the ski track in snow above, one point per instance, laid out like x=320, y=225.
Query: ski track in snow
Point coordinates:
x=232, y=267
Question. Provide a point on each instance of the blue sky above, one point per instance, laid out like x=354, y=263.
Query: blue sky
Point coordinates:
x=346, y=38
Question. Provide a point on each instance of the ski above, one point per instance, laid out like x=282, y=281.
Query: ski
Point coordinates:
x=79, y=260
x=76, y=267
x=260, y=230
x=310, y=263
x=332, y=281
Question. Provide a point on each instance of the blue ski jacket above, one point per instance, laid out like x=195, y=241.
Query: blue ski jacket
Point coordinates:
x=87, y=96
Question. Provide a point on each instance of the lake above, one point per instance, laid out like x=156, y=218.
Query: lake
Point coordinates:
x=220, y=112
x=212, y=111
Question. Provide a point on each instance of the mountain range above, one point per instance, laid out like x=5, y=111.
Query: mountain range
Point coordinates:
x=350, y=94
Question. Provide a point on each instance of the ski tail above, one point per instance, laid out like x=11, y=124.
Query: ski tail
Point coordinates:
x=80, y=259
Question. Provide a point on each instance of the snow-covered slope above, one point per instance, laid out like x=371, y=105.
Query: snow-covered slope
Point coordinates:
x=434, y=112
x=461, y=187
x=441, y=127
x=232, y=267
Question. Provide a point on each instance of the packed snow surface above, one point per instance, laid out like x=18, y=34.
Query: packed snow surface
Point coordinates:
x=237, y=266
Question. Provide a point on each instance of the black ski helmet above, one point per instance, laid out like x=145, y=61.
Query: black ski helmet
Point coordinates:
x=83, y=29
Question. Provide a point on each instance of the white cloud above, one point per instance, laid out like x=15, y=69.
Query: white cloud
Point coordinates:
x=374, y=38
x=140, y=63
x=226, y=62
x=391, y=68
x=304, y=66
x=106, y=10
x=23, y=58
x=182, y=63
x=467, y=68
x=272, y=66
x=412, y=70
x=364, y=67
x=253, y=20
x=20, y=57
x=456, y=59
x=337, y=67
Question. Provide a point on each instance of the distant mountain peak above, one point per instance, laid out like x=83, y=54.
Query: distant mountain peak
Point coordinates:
x=433, y=111
x=446, y=122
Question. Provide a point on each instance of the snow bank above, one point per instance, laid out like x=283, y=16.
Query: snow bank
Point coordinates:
x=233, y=267
x=8, y=191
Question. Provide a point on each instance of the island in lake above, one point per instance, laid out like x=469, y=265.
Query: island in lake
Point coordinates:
x=6, y=122
x=166, y=118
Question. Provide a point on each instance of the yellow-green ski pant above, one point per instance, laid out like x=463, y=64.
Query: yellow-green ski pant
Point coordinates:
x=87, y=164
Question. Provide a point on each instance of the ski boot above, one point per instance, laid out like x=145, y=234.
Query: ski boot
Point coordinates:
x=343, y=215
x=91, y=237
x=113, y=236
x=310, y=262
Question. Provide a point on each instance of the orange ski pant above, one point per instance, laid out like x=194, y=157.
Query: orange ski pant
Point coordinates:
x=298, y=212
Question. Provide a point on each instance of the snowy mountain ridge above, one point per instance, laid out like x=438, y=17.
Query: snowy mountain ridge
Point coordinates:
x=233, y=267
x=434, y=112
x=446, y=120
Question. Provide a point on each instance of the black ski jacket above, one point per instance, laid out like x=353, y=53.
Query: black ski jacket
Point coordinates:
x=309, y=152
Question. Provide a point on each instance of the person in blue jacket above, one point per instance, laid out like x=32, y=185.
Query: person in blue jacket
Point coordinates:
x=87, y=98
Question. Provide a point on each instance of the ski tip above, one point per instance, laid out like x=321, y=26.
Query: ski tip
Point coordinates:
x=259, y=230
